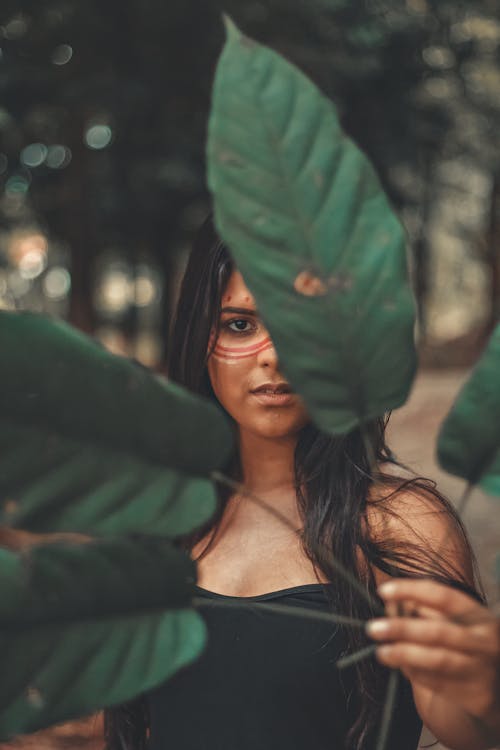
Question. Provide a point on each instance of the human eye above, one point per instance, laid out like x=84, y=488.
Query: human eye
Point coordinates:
x=239, y=326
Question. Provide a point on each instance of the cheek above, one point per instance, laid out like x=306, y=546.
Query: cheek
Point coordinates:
x=227, y=379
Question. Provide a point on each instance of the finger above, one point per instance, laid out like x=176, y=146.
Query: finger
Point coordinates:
x=426, y=612
x=480, y=640
x=440, y=661
x=429, y=593
x=432, y=682
x=391, y=609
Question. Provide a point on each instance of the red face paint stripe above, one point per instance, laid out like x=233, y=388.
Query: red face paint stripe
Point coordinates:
x=244, y=351
x=241, y=349
x=231, y=355
x=234, y=357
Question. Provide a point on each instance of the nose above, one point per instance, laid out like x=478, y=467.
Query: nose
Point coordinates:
x=268, y=357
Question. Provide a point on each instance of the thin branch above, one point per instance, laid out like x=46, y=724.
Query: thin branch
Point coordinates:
x=357, y=656
x=388, y=712
x=281, y=609
x=217, y=476
x=462, y=503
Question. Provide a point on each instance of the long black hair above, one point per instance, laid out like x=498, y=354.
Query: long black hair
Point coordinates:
x=336, y=490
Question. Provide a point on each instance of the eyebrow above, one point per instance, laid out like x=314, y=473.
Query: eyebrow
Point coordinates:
x=239, y=310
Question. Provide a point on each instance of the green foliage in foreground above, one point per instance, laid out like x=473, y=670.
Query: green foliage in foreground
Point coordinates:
x=310, y=228
x=90, y=624
x=469, y=440
x=94, y=443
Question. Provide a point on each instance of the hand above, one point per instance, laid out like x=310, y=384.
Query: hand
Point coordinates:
x=445, y=642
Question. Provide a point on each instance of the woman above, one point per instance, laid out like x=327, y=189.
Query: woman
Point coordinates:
x=268, y=679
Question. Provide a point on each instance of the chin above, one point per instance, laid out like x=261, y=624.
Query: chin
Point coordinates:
x=274, y=427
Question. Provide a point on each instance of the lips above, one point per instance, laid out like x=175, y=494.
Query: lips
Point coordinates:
x=273, y=389
x=274, y=395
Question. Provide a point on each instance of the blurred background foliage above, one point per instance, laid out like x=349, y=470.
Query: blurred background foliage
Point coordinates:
x=103, y=116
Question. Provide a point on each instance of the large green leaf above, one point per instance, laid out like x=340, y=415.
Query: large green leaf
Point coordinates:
x=95, y=443
x=310, y=228
x=469, y=439
x=90, y=625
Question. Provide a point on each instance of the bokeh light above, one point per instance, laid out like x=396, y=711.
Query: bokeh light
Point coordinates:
x=34, y=155
x=114, y=291
x=57, y=283
x=17, y=184
x=98, y=136
x=58, y=156
x=62, y=54
x=27, y=252
x=32, y=264
x=16, y=27
x=18, y=285
x=146, y=287
x=441, y=58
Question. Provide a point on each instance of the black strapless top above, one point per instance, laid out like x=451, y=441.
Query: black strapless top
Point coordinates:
x=267, y=681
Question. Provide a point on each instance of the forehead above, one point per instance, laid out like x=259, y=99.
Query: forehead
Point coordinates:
x=237, y=293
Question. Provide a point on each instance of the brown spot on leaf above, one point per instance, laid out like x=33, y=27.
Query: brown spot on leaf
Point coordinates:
x=310, y=285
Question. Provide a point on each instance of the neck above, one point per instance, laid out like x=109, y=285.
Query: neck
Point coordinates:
x=267, y=464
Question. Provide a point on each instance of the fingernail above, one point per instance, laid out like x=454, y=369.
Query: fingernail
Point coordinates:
x=387, y=589
x=377, y=627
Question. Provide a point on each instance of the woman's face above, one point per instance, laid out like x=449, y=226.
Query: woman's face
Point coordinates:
x=244, y=373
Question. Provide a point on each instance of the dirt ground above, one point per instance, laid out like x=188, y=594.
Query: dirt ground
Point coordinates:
x=412, y=436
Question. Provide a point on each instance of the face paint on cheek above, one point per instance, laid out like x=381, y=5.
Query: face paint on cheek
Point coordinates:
x=234, y=354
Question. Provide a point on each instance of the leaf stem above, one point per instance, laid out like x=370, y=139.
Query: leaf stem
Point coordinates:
x=389, y=706
x=350, y=659
x=463, y=502
x=281, y=609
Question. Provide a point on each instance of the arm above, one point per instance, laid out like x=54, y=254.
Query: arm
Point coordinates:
x=452, y=661
x=451, y=651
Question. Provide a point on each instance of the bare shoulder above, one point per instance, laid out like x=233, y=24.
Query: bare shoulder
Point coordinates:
x=412, y=516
